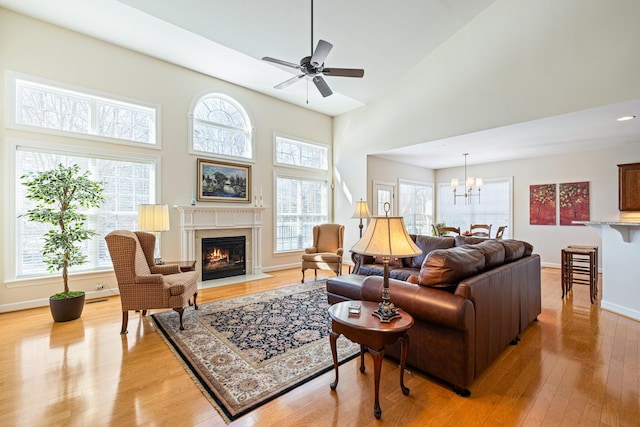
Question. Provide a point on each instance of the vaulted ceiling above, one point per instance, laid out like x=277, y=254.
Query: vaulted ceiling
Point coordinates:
x=227, y=39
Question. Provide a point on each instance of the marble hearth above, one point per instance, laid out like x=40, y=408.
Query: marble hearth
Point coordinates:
x=198, y=222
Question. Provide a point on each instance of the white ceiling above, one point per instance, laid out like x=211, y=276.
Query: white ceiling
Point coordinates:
x=226, y=39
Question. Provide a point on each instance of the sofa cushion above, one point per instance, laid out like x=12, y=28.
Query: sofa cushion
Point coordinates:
x=449, y=266
x=493, y=253
x=468, y=240
x=513, y=250
x=393, y=261
x=427, y=244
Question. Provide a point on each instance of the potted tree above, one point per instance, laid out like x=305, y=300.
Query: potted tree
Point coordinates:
x=60, y=194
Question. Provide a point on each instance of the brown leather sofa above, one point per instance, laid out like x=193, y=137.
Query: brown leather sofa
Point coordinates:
x=469, y=303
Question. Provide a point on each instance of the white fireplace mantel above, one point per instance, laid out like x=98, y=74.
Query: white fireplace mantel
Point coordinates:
x=193, y=218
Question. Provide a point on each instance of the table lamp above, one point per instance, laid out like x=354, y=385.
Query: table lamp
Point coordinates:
x=154, y=218
x=362, y=211
x=386, y=236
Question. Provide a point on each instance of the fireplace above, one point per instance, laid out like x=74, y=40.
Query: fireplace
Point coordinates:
x=223, y=257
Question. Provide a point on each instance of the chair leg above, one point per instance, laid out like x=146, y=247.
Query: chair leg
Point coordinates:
x=125, y=321
x=144, y=312
x=303, y=275
x=180, y=310
x=195, y=304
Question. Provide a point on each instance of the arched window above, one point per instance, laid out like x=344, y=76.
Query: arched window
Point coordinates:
x=221, y=127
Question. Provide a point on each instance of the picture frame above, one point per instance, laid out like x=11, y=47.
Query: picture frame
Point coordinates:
x=223, y=181
x=542, y=204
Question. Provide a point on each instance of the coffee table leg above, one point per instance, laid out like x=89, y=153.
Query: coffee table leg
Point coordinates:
x=362, y=349
x=404, y=349
x=378, y=355
x=332, y=340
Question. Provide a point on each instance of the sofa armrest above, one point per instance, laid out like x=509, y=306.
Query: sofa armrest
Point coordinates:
x=359, y=260
x=423, y=303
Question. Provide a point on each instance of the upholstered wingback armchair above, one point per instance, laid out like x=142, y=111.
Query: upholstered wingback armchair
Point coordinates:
x=144, y=285
x=326, y=253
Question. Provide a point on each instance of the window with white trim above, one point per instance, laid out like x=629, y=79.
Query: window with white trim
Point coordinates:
x=494, y=206
x=290, y=152
x=220, y=127
x=55, y=109
x=127, y=184
x=301, y=203
x=415, y=204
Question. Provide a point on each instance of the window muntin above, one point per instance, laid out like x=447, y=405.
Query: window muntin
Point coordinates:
x=415, y=204
x=301, y=203
x=58, y=109
x=290, y=152
x=221, y=127
x=128, y=183
x=495, y=207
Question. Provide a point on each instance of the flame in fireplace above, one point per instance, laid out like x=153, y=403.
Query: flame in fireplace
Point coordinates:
x=217, y=256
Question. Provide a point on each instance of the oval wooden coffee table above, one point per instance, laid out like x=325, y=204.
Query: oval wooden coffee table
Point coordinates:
x=367, y=330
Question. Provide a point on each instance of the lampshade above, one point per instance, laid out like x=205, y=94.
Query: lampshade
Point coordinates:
x=154, y=218
x=362, y=210
x=387, y=236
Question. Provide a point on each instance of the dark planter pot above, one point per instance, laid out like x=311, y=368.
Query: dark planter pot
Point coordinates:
x=66, y=309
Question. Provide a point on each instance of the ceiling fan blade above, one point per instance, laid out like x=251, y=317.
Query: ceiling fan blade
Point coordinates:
x=288, y=82
x=343, y=72
x=320, y=54
x=322, y=86
x=281, y=62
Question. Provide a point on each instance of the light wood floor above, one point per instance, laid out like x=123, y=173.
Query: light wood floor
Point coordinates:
x=579, y=365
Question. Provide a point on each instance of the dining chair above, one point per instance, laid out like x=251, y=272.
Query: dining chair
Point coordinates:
x=480, y=230
x=444, y=231
x=500, y=232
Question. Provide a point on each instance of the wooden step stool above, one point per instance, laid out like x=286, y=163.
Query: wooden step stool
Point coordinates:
x=580, y=265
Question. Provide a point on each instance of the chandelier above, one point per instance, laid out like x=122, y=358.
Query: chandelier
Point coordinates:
x=469, y=183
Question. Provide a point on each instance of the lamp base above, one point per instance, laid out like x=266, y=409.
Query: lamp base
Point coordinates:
x=386, y=312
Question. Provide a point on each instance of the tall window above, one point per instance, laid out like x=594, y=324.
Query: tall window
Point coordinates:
x=301, y=203
x=495, y=206
x=416, y=206
x=60, y=110
x=221, y=127
x=302, y=196
x=128, y=183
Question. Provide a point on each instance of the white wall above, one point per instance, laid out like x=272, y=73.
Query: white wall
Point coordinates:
x=597, y=167
x=36, y=48
x=519, y=60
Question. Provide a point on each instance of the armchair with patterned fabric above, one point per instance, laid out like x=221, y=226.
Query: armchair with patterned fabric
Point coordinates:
x=144, y=285
x=326, y=253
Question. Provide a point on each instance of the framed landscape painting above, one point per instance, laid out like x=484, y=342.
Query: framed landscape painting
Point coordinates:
x=542, y=204
x=574, y=202
x=223, y=182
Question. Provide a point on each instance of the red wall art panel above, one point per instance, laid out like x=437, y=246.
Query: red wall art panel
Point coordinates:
x=574, y=202
x=542, y=204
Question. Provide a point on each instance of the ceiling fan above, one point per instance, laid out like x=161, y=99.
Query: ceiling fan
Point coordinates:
x=313, y=66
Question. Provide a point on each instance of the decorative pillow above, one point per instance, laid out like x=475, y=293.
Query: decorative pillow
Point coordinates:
x=413, y=279
x=450, y=266
x=513, y=250
x=427, y=244
x=493, y=253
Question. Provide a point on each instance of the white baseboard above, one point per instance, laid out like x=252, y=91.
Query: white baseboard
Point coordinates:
x=44, y=302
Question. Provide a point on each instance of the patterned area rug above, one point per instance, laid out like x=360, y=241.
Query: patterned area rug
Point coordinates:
x=246, y=351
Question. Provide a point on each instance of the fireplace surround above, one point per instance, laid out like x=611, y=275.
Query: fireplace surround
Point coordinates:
x=198, y=222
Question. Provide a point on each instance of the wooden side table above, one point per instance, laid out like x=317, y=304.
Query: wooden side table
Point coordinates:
x=184, y=265
x=367, y=330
